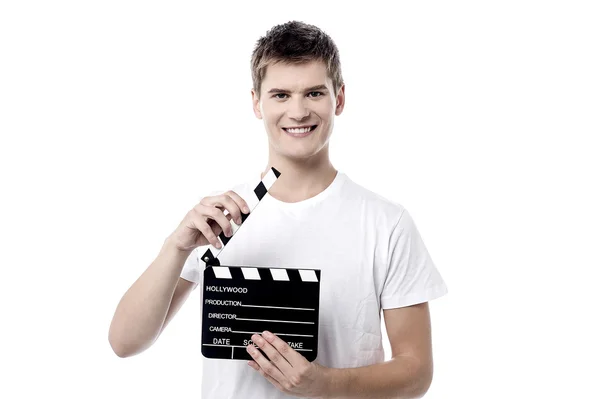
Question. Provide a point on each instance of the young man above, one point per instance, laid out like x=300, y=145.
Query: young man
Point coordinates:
x=368, y=248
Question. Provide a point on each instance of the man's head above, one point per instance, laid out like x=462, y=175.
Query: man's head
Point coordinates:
x=297, y=81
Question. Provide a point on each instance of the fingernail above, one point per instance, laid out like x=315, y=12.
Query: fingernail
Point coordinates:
x=246, y=210
x=267, y=334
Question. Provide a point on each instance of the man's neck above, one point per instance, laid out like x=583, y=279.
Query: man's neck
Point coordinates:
x=300, y=182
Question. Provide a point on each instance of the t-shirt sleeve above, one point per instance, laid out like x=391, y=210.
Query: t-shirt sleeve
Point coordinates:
x=191, y=268
x=411, y=277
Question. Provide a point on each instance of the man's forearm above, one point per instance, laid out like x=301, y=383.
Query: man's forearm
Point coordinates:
x=399, y=378
x=141, y=312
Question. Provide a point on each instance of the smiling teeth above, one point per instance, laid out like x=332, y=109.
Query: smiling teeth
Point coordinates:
x=307, y=129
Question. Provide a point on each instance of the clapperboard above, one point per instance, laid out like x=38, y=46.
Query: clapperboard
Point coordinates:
x=239, y=301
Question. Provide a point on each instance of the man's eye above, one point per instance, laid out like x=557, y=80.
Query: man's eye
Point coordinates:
x=283, y=94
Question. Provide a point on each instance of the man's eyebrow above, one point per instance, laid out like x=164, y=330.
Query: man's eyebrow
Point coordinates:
x=318, y=87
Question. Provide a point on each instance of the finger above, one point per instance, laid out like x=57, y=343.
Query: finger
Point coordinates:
x=216, y=228
x=294, y=358
x=217, y=215
x=234, y=204
x=196, y=222
x=230, y=197
x=276, y=358
x=265, y=365
x=208, y=228
x=231, y=201
x=241, y=203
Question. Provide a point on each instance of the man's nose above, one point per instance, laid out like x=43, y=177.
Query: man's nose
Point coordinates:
x=298, y=109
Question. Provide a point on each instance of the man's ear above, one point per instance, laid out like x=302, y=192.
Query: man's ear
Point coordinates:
x=256, y=104
x=340, y=100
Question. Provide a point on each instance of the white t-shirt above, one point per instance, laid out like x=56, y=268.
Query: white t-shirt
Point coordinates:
x=371, y=255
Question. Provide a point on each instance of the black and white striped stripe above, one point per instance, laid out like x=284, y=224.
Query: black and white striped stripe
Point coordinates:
x=265, y=273
x=211, y=254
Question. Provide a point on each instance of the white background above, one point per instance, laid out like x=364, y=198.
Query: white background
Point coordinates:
x=480, y=118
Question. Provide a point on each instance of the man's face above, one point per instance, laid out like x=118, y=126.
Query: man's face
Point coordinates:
x=291, y=96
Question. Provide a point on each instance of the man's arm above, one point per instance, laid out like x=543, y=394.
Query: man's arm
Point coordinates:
x=410, y=371
x=407, y=375
x=150, y=303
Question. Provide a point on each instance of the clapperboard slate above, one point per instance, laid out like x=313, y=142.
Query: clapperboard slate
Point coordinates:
x=239, y=301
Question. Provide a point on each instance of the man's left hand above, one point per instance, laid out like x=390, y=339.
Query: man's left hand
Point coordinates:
x=287, y=369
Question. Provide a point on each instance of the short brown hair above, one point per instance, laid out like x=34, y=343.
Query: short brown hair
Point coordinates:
x=295, y=42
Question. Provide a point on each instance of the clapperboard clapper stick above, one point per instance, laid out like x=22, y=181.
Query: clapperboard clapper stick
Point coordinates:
x=239, y=301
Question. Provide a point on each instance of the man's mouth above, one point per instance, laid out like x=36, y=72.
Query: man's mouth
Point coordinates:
x=295, y=130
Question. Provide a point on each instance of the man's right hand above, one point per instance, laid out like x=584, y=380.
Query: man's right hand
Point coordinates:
x=205, y=221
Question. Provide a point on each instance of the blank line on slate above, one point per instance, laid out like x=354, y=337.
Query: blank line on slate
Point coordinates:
x=242, y=346
x=275, y=307
x=256, y=332
x=279, y=321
